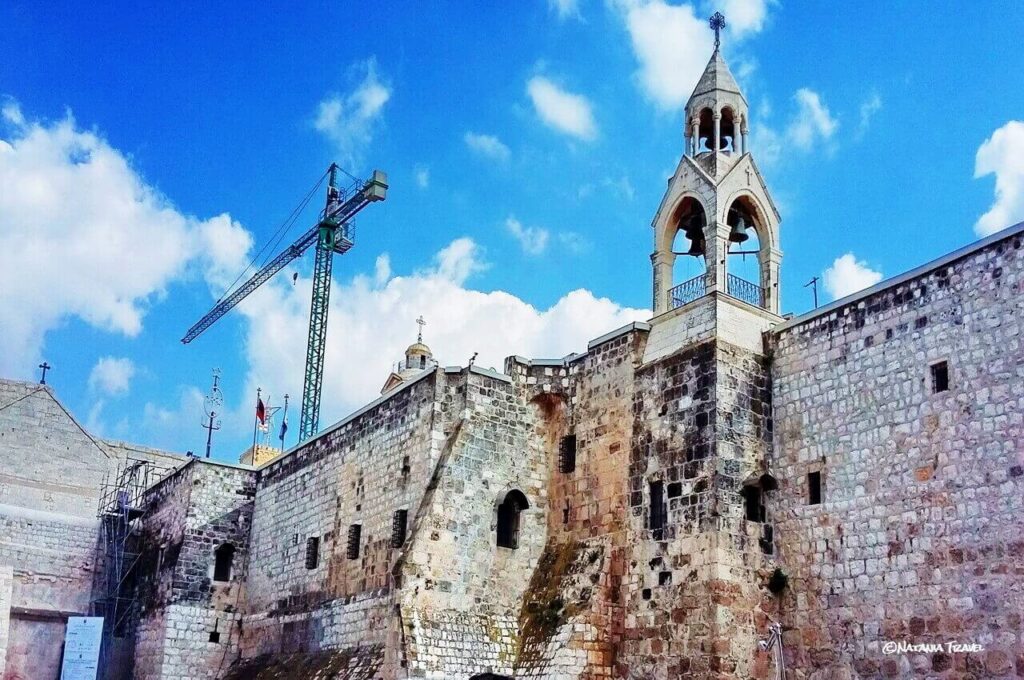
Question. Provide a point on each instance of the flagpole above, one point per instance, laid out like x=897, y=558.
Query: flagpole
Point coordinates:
x=284, y=422
x=256, y=421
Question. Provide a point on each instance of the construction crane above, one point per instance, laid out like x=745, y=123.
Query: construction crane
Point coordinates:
x=332, y=234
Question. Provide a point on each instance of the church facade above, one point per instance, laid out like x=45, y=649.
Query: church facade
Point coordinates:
x=685, y=498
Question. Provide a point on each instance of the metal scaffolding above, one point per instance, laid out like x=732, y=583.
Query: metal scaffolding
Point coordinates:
x=121, y=507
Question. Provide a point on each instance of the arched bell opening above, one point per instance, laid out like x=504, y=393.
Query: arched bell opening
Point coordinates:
x=727, y=131
x=705, y=131
x=689, y=250
x=744, y=271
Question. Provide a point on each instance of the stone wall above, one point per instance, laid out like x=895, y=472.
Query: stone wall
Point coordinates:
x=358, y=472
x=48, y=527
x=918, y=534
x=189, y=625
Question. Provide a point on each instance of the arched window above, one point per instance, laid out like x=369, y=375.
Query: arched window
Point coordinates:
x=222, y=559
x=705, y=131
x=727, y=131
x=744, y=275
x=508, y=519
x=689, y=248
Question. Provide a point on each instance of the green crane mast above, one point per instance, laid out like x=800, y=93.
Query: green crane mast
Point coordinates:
x=333, y=233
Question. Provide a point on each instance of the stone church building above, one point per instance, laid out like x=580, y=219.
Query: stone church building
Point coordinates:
x=650, y=507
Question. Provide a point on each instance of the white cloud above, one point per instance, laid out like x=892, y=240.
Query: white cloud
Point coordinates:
x=1002, y=154
x=574, y=242
x=487, y=145
x=565, y=9
x=124, y=243
x=811, y=126
x=165, y=427
x=349, y=120
x=743, y=16
x=561, y=110
x=673, y=44
x=112, y=376
x=372, y=321
x=868, y=108
x=422, y=176
x=847, y=275
x=813, y=123
x=533, y=240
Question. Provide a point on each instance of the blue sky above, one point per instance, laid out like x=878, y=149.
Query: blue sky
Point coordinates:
x=145, y=148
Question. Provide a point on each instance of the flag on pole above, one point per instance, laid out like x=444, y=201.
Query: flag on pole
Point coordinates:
x=261, y=411
x=284, y=427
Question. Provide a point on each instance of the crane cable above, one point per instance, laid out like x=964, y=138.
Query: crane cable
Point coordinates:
x=277, y=236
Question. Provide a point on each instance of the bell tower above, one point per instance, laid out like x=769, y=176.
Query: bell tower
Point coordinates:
x=715, y=202
x=701, y=464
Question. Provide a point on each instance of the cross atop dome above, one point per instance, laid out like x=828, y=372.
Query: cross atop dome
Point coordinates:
x=717, y=23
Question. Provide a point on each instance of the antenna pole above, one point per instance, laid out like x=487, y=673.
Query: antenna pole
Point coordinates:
x=814, y=284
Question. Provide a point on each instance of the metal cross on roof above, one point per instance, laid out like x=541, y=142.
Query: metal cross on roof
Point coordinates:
x=717, y=23
x=45, y=366
x=422, y=323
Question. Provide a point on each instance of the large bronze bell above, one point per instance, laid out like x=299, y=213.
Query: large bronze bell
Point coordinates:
x=739, y=234
x=694, y=231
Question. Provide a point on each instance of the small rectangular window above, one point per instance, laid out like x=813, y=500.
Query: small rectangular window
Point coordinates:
x=355, y=533
x=940, y=377
x=814, y=488
x=753, y=504
x=312, y=552
x=567, y=453
x=656, y=514
x=398, y=528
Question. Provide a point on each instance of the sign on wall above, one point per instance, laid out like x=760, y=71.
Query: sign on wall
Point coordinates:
x=82, y=648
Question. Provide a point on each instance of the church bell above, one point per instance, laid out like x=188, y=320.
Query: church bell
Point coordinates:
x=738, y=234
x=695, y=232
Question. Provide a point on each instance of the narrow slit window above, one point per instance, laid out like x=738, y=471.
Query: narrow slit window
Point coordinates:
x=398, y=523
x=567, y=453
x=940, y=377
x=355, y=533
x=753, y=504
x=813, y=488
x=656, y=514
x=312, y=552
x=223, y=557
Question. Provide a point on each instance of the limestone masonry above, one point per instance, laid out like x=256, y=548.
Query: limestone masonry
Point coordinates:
x=647, y=508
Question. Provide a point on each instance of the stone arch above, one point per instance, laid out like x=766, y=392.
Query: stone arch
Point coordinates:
x=667, y=230
x=764, y=221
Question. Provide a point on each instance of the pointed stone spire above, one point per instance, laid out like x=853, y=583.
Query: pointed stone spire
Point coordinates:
x=716, y=78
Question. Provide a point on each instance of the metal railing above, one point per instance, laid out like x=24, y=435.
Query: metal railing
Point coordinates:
x=685, y=292
x=744, y=290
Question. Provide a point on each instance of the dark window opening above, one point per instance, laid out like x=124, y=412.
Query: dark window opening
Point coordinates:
x=423, y=362
x=814, y=488
x=509, y=519
x=753, y=504
x=565, y=514
x=665, y=578
x=355, y=533
x=567, y=453
x=646, y=593
x=398, y=522
x=312, y=552
x=406, y=467
x=940, y=377
x=656, y=514
x=675, y=489
x=214, y=636
x=222, y=559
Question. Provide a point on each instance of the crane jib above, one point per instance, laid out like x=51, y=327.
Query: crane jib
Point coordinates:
x=332, y=234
